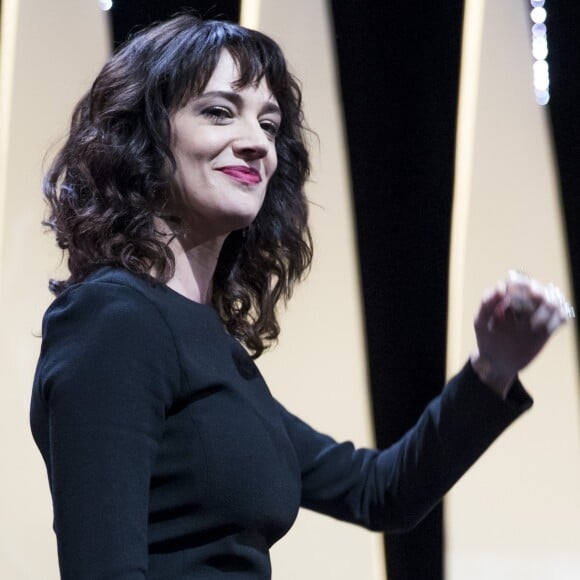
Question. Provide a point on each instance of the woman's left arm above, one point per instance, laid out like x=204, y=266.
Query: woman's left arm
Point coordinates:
x=395, y=488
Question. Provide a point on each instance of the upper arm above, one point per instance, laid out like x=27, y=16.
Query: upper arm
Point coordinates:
x=337, y=479
x=107, y=374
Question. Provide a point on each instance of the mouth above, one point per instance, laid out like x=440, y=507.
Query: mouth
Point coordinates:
x=243, y=174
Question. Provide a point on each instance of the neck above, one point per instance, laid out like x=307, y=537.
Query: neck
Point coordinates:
x=195, y=264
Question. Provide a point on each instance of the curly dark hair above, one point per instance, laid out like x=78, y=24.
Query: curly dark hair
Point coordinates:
x=112, y=178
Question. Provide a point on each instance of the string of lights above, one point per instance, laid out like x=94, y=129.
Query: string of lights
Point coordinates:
x=541, y=69
x=105, y=4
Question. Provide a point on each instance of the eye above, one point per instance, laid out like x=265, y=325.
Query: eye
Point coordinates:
x=270, y=127
x=217, y=114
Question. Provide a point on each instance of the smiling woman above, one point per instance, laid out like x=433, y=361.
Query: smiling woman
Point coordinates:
x=179, y=197
x=175, y=105
x=224, y=146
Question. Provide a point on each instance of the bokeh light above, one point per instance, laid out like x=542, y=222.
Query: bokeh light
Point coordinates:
x=541, y=69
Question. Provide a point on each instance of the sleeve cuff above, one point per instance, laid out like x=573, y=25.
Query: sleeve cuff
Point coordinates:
x=517, y=401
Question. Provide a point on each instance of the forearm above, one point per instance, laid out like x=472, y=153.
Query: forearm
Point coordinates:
x=394, y=488
x=451, y=434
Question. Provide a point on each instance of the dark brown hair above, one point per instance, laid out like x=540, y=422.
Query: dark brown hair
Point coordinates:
x=111, y=180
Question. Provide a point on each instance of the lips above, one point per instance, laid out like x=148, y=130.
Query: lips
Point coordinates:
x=243, y=174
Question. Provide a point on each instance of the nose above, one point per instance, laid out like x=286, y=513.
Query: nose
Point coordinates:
x=251, y=142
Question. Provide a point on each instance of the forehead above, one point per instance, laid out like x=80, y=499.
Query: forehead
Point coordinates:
x=226, y=75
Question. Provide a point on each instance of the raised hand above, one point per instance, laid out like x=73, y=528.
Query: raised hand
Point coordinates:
x=514, y=322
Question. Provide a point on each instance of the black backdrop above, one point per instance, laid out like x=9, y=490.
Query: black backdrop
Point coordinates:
x=564, y=43
x=399, y=76
x=399, y=71
x=130, y=15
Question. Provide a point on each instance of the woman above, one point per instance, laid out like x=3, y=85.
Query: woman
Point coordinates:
x=179, y=199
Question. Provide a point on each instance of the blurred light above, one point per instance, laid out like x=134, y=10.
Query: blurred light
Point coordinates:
x=541, y=69
x=541, y=82
x=540, y=48
x=105, y=4
x=538, y=15
x=542, y=97
x=539, y=30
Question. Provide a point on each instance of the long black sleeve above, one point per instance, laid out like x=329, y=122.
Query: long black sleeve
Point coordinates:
x=107, y=382
x=395, y=488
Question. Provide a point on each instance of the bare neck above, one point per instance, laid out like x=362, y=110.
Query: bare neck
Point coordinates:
x=195, y=265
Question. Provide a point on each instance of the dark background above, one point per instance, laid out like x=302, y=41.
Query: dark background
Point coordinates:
x=399, y=76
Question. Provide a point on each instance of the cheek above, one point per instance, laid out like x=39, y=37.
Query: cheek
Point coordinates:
x=272, y=163
x=199, y=144
x=190, y=151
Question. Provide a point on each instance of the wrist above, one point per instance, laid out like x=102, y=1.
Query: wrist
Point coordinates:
x=496, y=379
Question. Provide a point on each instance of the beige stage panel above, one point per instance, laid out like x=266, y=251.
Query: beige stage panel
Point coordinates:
x=516, y=514
x=50, y=53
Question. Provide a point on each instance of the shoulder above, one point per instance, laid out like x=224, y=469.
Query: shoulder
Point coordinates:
x=107, y=297
x=105, y=327
x=110, y=311
x=114, y=282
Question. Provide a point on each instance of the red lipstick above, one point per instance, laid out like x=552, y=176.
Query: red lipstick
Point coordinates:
x=243, y=174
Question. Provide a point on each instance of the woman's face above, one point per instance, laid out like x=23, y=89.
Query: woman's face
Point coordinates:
x=223, y=141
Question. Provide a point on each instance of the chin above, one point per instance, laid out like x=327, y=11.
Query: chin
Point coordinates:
x=237, y=221
x=244, y=222
x=242, y=217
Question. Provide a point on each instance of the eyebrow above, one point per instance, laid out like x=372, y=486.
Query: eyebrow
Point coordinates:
x=238, y=101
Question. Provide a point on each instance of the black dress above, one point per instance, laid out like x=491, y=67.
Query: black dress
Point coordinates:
x=168, y=458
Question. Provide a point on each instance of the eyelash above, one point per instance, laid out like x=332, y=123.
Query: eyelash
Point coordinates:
x=217, y=113
x=220, y=115
x=270, y=127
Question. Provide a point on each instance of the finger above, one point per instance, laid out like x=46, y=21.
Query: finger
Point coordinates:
x=491, y=301
x=519, y=282
x=566, y=310
x=524, y=294
x=519, y=304
x=536, y=289
x=517, y=275
x=555, y=321
x=551, y=314
x=542, y=316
